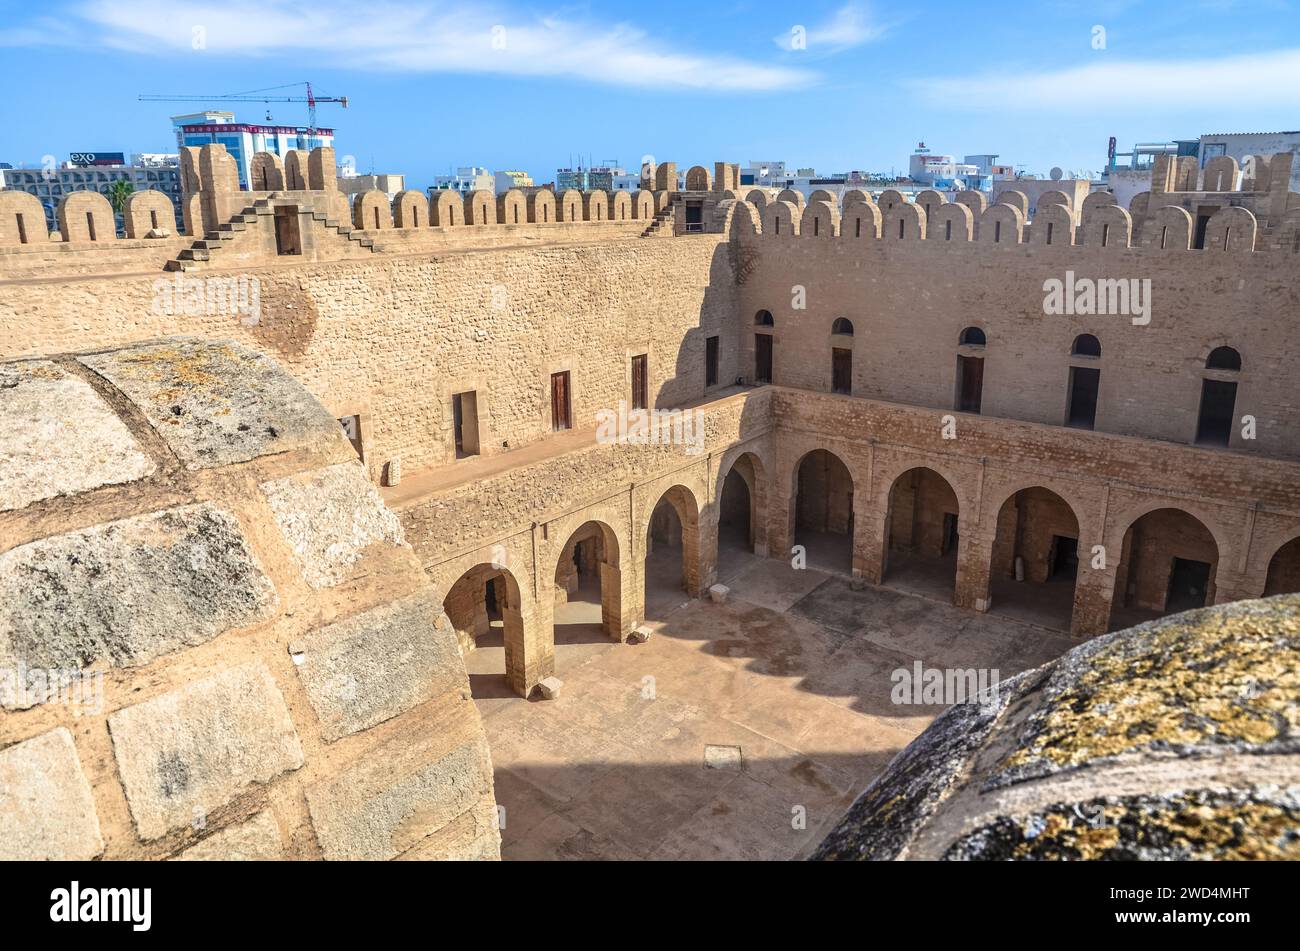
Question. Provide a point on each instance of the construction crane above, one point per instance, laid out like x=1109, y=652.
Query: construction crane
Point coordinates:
x=259, y=95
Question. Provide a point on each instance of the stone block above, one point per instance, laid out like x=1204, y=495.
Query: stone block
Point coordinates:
x=718, y=593
x=192, y=750
x=329, y=518
x=215, y=403
x=126, y=592
x=379, y=664
x=46, y=809
x=257, y=840
x=640, y=635
x=395, y=798
x=550, y=688
x=723, y=757
x=47, y=419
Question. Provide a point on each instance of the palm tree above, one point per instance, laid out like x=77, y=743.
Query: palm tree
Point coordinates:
x=117, y=194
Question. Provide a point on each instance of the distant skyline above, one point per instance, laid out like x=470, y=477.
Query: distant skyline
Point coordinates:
x=513, y=85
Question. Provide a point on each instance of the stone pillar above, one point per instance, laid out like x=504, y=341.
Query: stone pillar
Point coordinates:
x=666, y=177
x=871, y=536
x=974, y=557
x=617, y=594
x=322, y=174
x=1094, y=589
x=780, y=523
x=708, y=559
x=530, y=644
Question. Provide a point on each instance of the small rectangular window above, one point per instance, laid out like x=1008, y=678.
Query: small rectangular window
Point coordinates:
x=560, y=401
x=639, y=386
x=288, y=239
x=711, y=361
x=464, y=411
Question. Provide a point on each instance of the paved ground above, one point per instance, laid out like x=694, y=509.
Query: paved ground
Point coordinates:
x=786, y=689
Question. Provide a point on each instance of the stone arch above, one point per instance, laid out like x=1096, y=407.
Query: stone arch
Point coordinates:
x=891, y=198
x=1231, y=231
x=643, y=205
x=1002, y=224
x=1053, y=226
x=410, y=209
x=1094, y=200
x=1015, y=199
x=146, y=211
x=861, y=220
x=976, y=201
x=447, y=209
x=742, y=506
x=672, y=542
x=620, y=206
x=1169, y=229
x=781, y=218
x=758, y=197
x=22, y=219
x=296, y=172
x=266, y=173
x=952, y=222
x=1221, y=174
x=1051, y=197
x=480, y=208
x=541, y=207
x=568, y=207
x=921, y=537
x=903, y=222
x=698, y=179
x=820, y=220
x=794, y=197
x=744, y=220
x=512, y=208
x=86, y=216
x=1105, y=226
x=590, y=563
x=821, y=194
x=595, y=205
x=371, y=211
x=484, y=606
x=1168, y=562
x=1034, y=566
x=931, y=201
x=1283, y=574
x=856, y=196
x=821, y=509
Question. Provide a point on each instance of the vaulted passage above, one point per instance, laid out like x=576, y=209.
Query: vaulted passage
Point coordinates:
x=1167, y=565
x=921, y=553
x=672, y=552
x=1036, y=559
x=484, y=608
x=742, y=516
x=1284, y=570
x=587, y=591
x=823, y=511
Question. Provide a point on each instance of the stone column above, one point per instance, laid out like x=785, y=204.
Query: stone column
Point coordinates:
x=974, y=556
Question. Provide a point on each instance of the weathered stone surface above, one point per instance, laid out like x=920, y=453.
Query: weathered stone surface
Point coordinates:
x=551, y=688
x=216, y=402
x=379, y=809
x=194, y=749
x=329, y=518
x=718, y=593
x=372, y=667
x=1175, y=739
x=58, y=437
x=257, y=840
x=129, y=591
x=1192, y=825
x=46, y=810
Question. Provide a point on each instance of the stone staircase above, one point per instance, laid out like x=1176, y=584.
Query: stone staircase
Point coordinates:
x=662, y=218
x=204, y=250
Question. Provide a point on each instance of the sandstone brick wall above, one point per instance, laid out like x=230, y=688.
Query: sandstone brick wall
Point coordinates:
x=214, y=639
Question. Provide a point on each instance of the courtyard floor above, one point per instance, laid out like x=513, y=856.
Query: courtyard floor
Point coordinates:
x=738, y=731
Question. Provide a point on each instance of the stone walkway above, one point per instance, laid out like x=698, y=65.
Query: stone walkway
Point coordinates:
x=785, y=690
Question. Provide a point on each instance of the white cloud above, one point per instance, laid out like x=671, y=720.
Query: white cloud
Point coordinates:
x=413, y=36
x=1245, y=82
x=851, y=25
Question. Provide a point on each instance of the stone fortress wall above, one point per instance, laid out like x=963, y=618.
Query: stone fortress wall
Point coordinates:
x=387, y=334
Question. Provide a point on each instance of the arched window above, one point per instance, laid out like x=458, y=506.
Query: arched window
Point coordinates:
x=1223, y=358
x=843, y=326
x=1086, y=345
x=972, y=336
x=764, y=318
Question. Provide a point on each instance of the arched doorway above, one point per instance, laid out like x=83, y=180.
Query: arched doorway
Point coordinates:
x=921, y=528
x=822, y=508
x=588, y=601
x=484, y=608
x=1167, y=564
x=742, y=511
x=1035, y=559
x=672, y=547
x=1284, y=570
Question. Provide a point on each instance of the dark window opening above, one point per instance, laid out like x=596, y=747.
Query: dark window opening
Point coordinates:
x=762, y=358
x=764, y=318
x=1223, y=358
x=842, y=325
x=1214, y=423
x=841, y=370
x=970, y=384
x=1084, y=384
x=560, y=401
x=1064, y=557
x=1086, y=345
x=639, y=385
x=464, y=410
x=972, y=336
x=1198, y=238
x=288, y=239
x=1189, y=584
x=90, y=225
x=694, y=216
x=711, y=361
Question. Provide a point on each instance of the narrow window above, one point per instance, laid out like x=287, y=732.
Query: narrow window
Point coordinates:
x=1049, y=232
x=762, y=358
x=287, y=239
x=90, y=225
x=900, y=227
x=464, y=412
x=711, y=361
x=352, y=429
x=1198, y=238
x=639, y=388
x=1084, y=385
x=947, y=231
x=560, y=401
x=970, y=383
x=153, y=219
x=1105, y=235
x=857, y=230
x=841, y=370
x=376, y=219
x=997, y=232
x=816, y=226
x=22, y=230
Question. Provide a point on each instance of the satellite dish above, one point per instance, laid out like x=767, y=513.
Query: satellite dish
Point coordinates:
x=1056, y=173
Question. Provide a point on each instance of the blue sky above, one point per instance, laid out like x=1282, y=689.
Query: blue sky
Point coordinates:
x=523, y=85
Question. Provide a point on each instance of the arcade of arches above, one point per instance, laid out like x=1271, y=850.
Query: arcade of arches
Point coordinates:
x=1057, y=558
